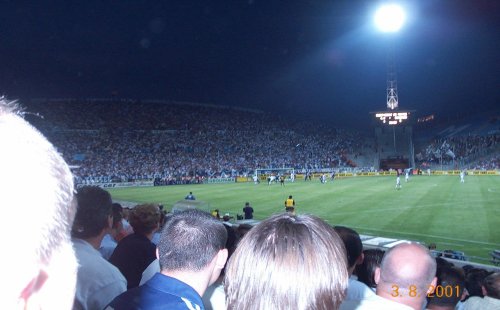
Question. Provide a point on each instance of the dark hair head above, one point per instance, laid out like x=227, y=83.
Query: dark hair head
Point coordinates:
x=117, y=211
x=145, y=218
x=474, y=281
x=190, y=240
x=352, y=243
x=492, y=285
x=366, y=270
x=448, y=276
x=94, y=209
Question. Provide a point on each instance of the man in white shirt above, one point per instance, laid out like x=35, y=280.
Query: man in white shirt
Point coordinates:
x=99, y=282
x=354, y=248
x=491, y=292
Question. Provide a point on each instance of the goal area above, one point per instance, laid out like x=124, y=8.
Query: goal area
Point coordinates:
x=263, y=173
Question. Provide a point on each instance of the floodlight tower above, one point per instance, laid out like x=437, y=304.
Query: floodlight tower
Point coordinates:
x=390, y=18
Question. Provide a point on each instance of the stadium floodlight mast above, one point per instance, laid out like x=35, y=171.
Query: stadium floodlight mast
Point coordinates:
x=390, y=18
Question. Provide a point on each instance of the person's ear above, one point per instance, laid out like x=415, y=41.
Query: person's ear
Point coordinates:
x=376, y=275
x=221, y=258
x=110, y=221
x=432, y=286
x=360, y=259
x=483, y=289
x=34, y=286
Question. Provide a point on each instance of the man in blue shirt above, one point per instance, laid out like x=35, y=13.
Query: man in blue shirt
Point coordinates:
x=190, y=196
x=192, y=254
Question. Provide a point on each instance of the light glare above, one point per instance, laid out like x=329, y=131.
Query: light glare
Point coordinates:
x=390, y=18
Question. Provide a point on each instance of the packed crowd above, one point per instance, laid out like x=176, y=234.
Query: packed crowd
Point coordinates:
x=461, y=148
x=122, y=141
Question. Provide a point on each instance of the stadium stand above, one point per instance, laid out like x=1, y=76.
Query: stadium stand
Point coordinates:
x=167, y=142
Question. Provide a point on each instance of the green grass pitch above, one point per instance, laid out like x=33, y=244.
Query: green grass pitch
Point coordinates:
x=432, y=209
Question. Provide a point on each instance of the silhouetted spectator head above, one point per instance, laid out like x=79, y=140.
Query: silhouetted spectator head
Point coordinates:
x=243, y=229
x=353, y=245
x=474, y=281
x=491, y=285
x=94, y=213
x=366, y=270
x=38, y=264
x=145, y=218
x=117, y=211
x=442, y=263
x=287, y=262
x=448, y=277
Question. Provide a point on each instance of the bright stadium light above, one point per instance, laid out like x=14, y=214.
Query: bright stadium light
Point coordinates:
x=390, y=18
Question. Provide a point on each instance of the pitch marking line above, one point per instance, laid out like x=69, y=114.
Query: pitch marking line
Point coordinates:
x=426, y=235
x=493, y=190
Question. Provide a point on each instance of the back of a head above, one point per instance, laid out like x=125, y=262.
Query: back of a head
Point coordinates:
x=366, y=270
x=287, y=262
x=117, y=211
x=37, y=201
x=452, y=282
x=352, y=243
x=94, y=210
x=190, y=240
x=145, y=218
x=474, y=281
x=406, y=265
x=492, y=285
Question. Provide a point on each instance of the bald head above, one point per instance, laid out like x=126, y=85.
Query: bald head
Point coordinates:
x=408, y=264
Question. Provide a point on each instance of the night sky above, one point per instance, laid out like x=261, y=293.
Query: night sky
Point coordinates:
x=315, y=59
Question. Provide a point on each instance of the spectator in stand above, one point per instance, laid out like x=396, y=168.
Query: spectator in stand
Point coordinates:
x=287, y=262
x=192, y=254
x=474, y=278
x=354, y=249
x=127, y=229
x=136, y=251
x=403, y=280
x=366, y=270
x=449, y=278
x=37, y=202
x=133, y=152
x=98, y=281
x=491, y=292
x=110, y=240
x=248, y=210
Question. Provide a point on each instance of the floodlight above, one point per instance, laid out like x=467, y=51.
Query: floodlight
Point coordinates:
x=390, y=18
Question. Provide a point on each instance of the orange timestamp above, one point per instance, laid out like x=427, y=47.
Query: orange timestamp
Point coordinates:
x=438, y=291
